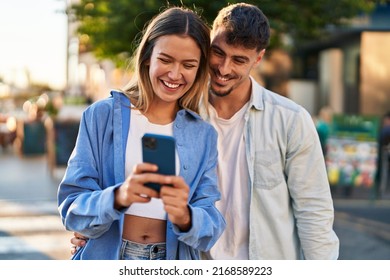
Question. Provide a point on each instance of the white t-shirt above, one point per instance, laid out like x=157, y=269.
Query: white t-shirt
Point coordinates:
x=139, y=125
x=233, y=185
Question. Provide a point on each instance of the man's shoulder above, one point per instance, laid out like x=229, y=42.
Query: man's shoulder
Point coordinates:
x=265, y=98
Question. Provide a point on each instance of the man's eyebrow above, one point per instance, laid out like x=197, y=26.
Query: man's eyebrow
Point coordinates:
x=171, y=57
x=240, y=57
x=218, y=48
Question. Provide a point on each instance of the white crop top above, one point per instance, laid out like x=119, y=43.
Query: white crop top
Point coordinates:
x=139, y=125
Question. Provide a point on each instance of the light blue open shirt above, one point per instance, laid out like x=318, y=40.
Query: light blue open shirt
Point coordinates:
x=290, y=209
x=97, y=167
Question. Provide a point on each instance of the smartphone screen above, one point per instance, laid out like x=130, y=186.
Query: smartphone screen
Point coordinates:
x=160, y=150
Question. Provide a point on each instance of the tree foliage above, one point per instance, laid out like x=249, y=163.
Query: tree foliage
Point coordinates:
x=110, y=28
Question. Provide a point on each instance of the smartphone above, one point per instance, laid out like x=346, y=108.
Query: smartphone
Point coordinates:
x=160, y=150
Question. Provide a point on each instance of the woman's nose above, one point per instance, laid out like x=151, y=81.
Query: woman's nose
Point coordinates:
x=174, y=73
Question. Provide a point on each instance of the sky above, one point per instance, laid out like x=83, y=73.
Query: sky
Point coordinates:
x=33, y=38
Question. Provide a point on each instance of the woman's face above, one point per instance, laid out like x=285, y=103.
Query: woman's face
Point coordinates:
x=173, y=66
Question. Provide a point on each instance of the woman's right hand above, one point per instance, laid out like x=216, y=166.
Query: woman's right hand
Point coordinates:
x=134, y=190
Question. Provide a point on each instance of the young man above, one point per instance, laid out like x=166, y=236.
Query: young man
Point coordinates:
x=275, y=192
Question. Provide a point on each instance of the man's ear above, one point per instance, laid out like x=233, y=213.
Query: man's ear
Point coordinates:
x=259, y=57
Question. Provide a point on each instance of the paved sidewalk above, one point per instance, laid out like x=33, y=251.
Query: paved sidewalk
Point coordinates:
x=27, y=178
x=30, y=226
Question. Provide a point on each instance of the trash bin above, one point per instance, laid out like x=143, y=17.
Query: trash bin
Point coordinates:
x=34, y=138
x=65, y=139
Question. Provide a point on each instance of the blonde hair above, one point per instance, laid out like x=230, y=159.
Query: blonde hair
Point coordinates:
x=173, y=21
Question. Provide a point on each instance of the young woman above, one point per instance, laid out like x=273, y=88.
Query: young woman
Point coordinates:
x=102, y=195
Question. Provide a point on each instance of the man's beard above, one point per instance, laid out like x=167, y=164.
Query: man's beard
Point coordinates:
x=220, y=94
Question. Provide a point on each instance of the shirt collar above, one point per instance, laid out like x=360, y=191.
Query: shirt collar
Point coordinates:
x=256, y=100
x=124, y=99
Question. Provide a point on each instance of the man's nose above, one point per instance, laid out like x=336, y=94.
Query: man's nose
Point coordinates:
x=224, y=67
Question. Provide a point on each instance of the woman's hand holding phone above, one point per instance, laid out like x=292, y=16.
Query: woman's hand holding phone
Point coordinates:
x=174, y=193
x=133, y=188
x=175, y=199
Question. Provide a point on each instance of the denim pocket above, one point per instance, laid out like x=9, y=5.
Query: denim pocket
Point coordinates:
x=268, y=171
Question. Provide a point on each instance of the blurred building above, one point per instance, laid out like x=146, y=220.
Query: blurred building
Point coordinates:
x=350, y=70
x=87, y=76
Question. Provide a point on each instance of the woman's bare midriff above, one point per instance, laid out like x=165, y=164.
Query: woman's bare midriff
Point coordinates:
x=144, y=230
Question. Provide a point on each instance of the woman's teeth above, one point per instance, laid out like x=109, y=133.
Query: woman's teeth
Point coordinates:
x=171, y=85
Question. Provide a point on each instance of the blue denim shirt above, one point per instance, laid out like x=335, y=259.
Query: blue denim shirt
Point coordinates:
x=97, y=167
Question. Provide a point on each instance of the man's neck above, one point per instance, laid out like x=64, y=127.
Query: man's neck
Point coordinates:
x=229, y=105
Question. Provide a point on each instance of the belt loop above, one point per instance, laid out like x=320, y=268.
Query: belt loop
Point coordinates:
x=123, y=246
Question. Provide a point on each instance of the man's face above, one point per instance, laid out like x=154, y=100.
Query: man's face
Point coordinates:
x=230, y=65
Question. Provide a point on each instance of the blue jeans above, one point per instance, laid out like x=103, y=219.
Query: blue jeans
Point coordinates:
x=136, y=251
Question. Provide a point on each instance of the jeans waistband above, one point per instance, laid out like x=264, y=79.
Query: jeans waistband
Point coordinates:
x=137, y=251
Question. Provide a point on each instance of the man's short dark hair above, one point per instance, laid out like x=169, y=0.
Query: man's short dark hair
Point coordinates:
x=245, y=24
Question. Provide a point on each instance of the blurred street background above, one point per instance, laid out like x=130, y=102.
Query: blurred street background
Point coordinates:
x=55, y=61
x=30, y=226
